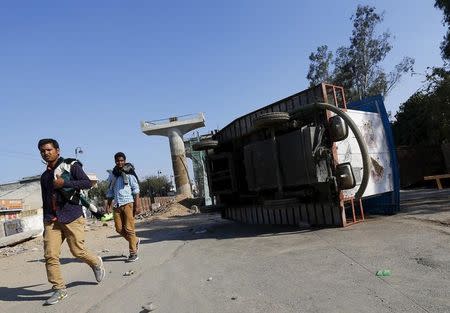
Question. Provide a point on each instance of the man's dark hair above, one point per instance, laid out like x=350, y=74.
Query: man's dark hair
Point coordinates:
x=120, y=155
x=46, y=141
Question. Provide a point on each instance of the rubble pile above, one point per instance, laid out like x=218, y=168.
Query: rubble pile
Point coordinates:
x=8, y=251
x=178, y=206
x=156, y=210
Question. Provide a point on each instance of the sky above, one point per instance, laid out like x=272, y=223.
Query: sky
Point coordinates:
x=88, y=72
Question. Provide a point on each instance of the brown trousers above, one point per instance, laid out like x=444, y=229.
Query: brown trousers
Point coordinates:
x=54, y=235
x=124, y=223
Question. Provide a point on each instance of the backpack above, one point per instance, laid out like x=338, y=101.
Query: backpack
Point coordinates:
x=72, y=195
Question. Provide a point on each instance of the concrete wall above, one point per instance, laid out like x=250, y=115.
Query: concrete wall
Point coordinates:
x=32, y=220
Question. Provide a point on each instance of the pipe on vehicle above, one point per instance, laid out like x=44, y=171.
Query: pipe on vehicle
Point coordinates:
x=359, y=139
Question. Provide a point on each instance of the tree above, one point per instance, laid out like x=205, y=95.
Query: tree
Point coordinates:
x=319, y=67
x=424, y=119
x=444, y=5
x=155, y=186
x=357, y=67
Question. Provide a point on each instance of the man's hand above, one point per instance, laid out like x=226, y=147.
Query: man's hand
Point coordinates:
x=136, y=209
x=58, y=182
x=108, y=207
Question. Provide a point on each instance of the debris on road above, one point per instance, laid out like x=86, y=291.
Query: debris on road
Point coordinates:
x=8, y=251
x=194, y=209
x=209, y=279
x=128, y=273
x=156, y=211
x=149, y=307
x=383, y=273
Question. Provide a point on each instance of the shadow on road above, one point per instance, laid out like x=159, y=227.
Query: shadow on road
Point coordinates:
x=114, y=258
x=207, y=226
x=26, y=293
x=61, y=260
x=424, y=201
x=211, y=226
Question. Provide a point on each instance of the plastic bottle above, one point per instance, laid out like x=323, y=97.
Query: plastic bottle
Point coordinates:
x=383, y=273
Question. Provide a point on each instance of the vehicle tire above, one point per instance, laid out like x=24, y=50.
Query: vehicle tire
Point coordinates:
x=205, y=145
x=270, y=119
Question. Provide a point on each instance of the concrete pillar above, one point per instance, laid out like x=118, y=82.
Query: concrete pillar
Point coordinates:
x=174, y=128
x=179, y=162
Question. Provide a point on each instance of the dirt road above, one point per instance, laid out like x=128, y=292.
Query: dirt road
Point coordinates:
x=200, y=263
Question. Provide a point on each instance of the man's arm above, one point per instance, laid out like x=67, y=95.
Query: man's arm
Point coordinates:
x=134, y=185
x=137, y=204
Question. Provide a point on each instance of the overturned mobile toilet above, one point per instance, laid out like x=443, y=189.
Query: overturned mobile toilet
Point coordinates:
x=306, y=159
x=174, y=128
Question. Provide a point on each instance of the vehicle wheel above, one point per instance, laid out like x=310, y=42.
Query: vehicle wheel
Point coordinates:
x=270, y=119
x=205, y=145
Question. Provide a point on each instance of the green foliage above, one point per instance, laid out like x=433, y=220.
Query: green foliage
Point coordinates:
x=444, y=5
x=155, y=186
x=319, y=67
x=98, y=193
x=425, y=117
x=357, y=67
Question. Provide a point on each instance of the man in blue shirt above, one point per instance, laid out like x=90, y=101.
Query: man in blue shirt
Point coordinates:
x=63, y=219
x=124, y=190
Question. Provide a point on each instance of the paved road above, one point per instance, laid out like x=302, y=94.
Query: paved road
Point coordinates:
x=201, y=263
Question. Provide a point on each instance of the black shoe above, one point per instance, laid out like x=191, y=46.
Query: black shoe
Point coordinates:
x=133, y=258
